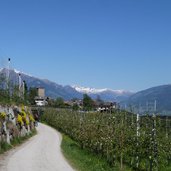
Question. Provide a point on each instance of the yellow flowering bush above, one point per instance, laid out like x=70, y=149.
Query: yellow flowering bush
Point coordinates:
x=20, y=120
x=2, y=115
x=22, y=108
x=27, y=121
x=31, y=117
x=24, y=116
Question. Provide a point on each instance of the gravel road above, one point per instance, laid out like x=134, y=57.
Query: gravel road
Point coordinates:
x=41, y=153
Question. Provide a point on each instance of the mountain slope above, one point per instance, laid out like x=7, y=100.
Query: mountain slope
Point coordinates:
x=55, y=90
x=145, y=100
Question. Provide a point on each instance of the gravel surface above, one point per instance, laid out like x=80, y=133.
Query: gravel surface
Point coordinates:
x=41, y=153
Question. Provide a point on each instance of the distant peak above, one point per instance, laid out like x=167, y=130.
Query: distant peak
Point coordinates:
x=16, y=71
x=88, y=90
x=20, y=72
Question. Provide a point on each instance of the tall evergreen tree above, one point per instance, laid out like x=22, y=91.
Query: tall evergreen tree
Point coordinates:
x=88, y=103
x=32, y=94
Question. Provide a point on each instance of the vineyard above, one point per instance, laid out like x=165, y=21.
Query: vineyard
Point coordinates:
x=139, y=142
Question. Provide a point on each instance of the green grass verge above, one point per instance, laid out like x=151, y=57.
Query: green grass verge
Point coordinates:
x=16, y=141
x=167, y=169
x=83, y=160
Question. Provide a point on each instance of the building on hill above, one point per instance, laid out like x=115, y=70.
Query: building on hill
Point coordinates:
x=73, y=102
x=41, y=92
x=106, y=106
x=40, y=99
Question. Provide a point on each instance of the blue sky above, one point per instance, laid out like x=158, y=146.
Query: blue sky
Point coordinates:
x=118, y=44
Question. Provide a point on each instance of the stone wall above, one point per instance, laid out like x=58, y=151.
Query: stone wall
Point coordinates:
x=15, y=121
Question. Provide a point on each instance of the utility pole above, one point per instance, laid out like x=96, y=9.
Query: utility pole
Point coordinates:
x=138, y=135
x=19, y=84
x=8, y=73
x=154, y=139
x=23, y=88
x=155, y=106
x=154, y=159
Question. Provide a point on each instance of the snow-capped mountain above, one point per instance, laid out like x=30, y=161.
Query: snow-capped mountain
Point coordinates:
x=20, y=72
x=105, y=94
x=89, y=90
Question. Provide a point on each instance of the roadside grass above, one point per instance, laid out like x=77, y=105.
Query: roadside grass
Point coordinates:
x=167, y=169
x=84, y=160
x=15, y=142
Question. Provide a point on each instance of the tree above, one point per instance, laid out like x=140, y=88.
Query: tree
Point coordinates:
x=88, y=103
x=15, y=94
x=75, y=107
x=32, y=94
x=59, y=102
x=25, y=91
x=4, y=92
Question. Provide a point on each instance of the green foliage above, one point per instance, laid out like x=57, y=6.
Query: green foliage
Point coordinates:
x=9, y=93
x=59, y=102
x=51, y=102
x=4, y=147
x=26, y=93
x=75, y=107
x=15, y=94
x=88, y=103
x=32, y=94
x=114, y=137
x=84, y=160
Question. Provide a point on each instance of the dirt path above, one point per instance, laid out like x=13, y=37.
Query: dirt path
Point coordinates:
x=40, y=153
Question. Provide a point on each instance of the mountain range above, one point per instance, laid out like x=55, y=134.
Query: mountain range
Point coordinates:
x=155, y=99
x=67, y=92
x=105, y=94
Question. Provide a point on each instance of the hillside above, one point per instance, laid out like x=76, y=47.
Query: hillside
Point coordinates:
x=145, y=100
x=68, y=92
x=53, y=89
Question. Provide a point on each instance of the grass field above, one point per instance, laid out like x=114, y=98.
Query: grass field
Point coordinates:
x=84, y=160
